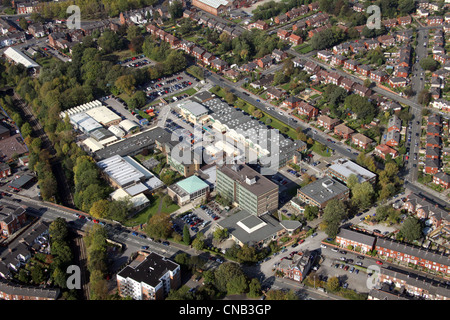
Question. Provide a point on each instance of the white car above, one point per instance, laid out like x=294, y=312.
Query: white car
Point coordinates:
x=323, y=246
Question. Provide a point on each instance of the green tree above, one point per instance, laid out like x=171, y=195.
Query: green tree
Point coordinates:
x=186, y=235
x=230, y=278
x=411, y=229
x=254, y=288
x=199, y=241
x=362, y=195
x=58, y=230
x=26, y=130
x=333, y=284
x=37, y=274
x=100, y=209
x=159, y=226
x=428, y=63
x=311, y=212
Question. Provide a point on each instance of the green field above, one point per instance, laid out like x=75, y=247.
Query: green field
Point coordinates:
x=143, y=216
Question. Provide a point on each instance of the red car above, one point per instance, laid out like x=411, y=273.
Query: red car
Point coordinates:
x=95, y=221
x=81, y=216
x=379, y=262
x=301, y=241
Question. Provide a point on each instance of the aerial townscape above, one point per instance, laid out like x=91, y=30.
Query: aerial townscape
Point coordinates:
x=224, y=150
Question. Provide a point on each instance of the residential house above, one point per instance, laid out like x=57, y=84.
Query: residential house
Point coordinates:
x=393, y=138
x=347, y=84
x=274, y=93
x=433, y=142
x=311, y=67
x=442, y=179
x=435, y=21
x=358, y=241
x=291, y=102
x=300, y=25
x=281, y=19
x=351, y=64
x=261, y=25
x=379, y=76
x=334, y=78
x=371, y=44
x=279, y=55
x=324, y=55
x=431, y=166
x=219, y=64
x=401, y=72
x=207, y=58
x=361, y=90
x=403, y=21
x=295, y=40
x=364, y=70
x=265, y=61
x=395, y=124
x=432, y=152
x=327, y=122
x=441, y=104
x=418, y=256
x=198, y=52
x=283, y=34
x=343, y=131
x=397, y=82
x=383, y=151
x=308, y=110
x=389, y=23
x=361, y=140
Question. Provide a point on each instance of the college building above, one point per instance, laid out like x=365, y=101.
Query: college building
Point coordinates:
x=250, y=190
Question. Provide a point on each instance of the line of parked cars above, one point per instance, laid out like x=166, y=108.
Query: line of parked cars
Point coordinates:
x=193, y=221
x=211, y=211
x=160, y=90
x=293, y=172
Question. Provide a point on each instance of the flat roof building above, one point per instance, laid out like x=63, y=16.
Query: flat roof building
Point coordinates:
x=246, y=228
x=104, y=116
x=342, y=169
x=150, y=279
x=193, y=111
x=319, y=192
x=134, y=144
x=249, y=189
x=189, y=190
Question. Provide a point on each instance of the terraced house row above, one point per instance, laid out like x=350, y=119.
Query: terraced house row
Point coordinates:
x=397, y=251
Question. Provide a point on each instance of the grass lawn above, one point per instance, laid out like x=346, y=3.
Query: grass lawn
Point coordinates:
x=143, y=216
x=317, y=150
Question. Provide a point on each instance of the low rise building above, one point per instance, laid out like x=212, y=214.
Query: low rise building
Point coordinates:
x=321, y=191
x=342, y=169
x=192, y=189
